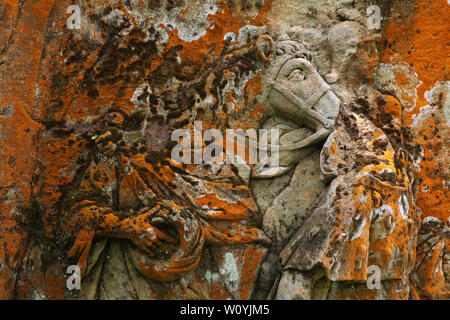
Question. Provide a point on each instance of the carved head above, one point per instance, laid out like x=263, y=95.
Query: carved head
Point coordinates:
x=293, y=80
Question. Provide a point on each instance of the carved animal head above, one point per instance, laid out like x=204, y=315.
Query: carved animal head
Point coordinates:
x=295, y=86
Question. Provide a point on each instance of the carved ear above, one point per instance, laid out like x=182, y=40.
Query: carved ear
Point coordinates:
x=265, y=47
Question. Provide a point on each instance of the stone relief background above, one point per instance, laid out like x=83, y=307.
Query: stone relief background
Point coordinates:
x=86, y=116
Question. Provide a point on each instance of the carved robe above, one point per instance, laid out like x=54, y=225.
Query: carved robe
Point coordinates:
x=204, y=208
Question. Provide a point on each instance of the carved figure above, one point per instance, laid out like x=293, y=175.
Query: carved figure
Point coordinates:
x=148, y=227
x=297, y=93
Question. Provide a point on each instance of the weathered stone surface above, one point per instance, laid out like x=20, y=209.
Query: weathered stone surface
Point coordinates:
x=87, y=178
x=431, y=273
x=367, y=206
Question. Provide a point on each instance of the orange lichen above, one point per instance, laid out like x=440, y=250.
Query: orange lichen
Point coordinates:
x=211, y=45
x=40, y=90
x=422, y=42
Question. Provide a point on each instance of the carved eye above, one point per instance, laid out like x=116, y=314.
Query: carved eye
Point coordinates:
x=297, y=75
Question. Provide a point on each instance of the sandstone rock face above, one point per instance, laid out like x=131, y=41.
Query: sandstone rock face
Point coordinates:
x=350, y=202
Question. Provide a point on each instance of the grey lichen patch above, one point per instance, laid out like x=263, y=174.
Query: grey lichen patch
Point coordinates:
x=229, y=271
x=440, y=95
x=189, y=19
x=211, y=276
x=39, y=296
x=7, y=111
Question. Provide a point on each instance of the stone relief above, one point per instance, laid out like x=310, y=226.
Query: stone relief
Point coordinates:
x=359, y=151
x=306, y=274
x=148, y=227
